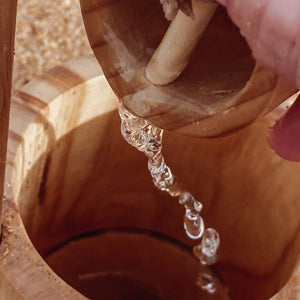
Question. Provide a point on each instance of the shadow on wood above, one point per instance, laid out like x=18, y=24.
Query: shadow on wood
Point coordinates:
x=81, y=199
x=220, y=91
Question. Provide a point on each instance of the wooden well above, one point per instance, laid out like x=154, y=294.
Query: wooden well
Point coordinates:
x=80, y=202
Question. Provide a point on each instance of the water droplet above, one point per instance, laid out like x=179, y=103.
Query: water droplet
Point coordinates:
x=210, y=242
x=204, y=259
x=206, y=283
x=193, y=225
x=190, y=202
x=206, y=252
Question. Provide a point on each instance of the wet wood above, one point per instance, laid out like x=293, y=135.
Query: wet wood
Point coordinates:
x=7, y=33
x=220, y=91
x=76, y=190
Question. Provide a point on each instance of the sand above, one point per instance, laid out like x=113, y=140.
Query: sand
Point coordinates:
x=48, y=32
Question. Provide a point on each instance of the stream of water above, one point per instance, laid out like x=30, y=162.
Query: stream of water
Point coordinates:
x=147, y=138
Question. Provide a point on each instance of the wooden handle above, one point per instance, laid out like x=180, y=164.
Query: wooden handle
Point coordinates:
x=7, y=33
x=173, y=53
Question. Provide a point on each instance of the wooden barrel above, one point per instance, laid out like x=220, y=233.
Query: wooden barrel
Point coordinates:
x=82, y=219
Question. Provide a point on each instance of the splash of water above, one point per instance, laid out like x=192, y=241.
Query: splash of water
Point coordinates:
x=147, y=138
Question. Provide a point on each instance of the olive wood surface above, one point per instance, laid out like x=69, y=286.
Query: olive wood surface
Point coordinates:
x=220, y=91
x=75, y=190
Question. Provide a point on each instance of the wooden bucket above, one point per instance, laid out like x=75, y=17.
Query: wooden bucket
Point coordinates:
x=79, y=202
x=220, y=91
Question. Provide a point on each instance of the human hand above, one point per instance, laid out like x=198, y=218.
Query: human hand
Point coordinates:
x=272, y=30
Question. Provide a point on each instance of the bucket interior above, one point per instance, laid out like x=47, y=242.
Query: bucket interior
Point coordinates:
x=90, y=208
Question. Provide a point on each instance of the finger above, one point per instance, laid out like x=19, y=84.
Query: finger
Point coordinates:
x=272, y=29
x=285, y=136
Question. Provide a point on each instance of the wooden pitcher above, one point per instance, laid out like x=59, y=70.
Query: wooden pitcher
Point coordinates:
x=221, y=90
x=81, y=217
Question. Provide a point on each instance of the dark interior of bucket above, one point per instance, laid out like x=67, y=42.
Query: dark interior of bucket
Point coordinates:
x=100, y=224
x=97, y=220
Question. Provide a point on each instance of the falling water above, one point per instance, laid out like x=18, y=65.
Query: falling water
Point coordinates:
x=147, y=138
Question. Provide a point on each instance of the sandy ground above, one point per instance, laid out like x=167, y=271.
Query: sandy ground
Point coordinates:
x=48, y=33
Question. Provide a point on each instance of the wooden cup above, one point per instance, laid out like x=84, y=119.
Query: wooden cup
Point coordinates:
x=79, y=199
x=220, y=91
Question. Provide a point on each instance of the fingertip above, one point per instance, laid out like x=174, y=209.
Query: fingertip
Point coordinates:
x=284, y=138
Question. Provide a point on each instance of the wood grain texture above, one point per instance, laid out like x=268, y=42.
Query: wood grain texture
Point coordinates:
x=36, y=125
x=7, y=33
x=220, y=91
x=165, y=66
x=76, y=190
